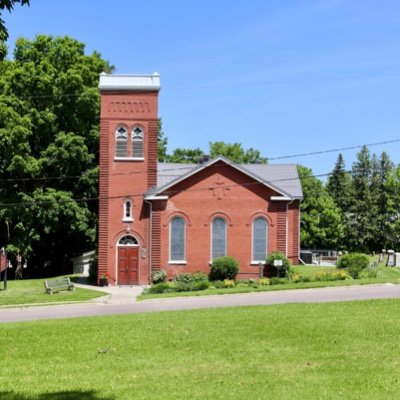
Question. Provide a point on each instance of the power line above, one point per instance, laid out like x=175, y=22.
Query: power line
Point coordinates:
x=43, y=178
x=88, y=199
x=189, y=166
x=236, y=84
x=334, y=150
x=286, y=82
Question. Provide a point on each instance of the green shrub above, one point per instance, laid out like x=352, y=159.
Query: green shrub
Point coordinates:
x=354, y=263
x=159, y=276
x=162, y=287
x=282, y=271
x=218, y=284
x=264, y=282
x=183, y=278
x=275, y=280
x=183, y=287
x=199, y=277
x=323, y=276
x=336, y=275
x=223, y=268
x=192, y=287
x=228, y=283
x=191, y=282
x=341, y=274
x=369, y=272
x=296, y=278
x=200, y=285
x=191, y=278
x=248, y=283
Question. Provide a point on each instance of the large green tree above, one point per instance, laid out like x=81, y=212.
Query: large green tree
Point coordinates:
x=385, y=192
x=339, y=184
x=7, y=5
x=49, y=129
x=368, y=199
x=362, y=213
x=321, y=223
x=185, y=156
x=390, y=221
x=162, y=143
x=236, y=153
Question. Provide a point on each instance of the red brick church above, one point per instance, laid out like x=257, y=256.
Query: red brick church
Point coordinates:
x=179, y=217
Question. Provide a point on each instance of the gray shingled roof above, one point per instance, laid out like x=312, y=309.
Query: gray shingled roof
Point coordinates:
x=281, y=177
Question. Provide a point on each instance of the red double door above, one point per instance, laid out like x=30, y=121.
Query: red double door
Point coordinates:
x=128, y=265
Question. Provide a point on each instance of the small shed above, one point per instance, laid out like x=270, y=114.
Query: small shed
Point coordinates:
x=81, y=263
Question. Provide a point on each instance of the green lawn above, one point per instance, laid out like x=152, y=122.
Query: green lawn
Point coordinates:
x=305, y=351
x=385, y=275
x=31, y=291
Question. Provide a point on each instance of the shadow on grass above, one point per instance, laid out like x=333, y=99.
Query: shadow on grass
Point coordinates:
x=82, y=279
x=74, y=395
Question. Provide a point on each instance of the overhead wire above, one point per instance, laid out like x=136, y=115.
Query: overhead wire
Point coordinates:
x=191, y=165
x=186, y=166
x=170, y=192
x=239, y=84
x=334, y=150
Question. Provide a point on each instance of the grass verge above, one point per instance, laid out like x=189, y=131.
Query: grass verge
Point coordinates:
x=304, y=351
x=31, y=291
x=385, y=275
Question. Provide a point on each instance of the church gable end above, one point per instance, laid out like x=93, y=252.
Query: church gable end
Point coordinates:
x=179, y=217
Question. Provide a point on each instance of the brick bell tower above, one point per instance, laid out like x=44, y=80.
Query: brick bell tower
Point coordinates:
x=128, y=168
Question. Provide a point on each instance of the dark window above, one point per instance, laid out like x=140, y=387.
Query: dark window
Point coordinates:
x=121, y=142
x=260, y=237
x=137, y=142
x=177, y=239
x=218, y=238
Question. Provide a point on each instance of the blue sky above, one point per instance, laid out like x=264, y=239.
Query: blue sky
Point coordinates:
x=284, y=77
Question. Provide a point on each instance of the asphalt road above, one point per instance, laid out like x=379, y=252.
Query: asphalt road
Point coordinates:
x=331, y=294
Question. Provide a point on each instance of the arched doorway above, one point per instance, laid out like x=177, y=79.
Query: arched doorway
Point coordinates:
x=128, y=260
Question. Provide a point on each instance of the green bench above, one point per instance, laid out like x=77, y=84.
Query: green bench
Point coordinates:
x=57, y=284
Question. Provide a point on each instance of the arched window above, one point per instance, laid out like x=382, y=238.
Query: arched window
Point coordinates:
x=128, y=215
x=121, y=142
x=218, y=234
x=260, y=239
x=177, y=239
x=128, y=241
x=137, y=142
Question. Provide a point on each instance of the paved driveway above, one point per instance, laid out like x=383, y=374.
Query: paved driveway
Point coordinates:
x=190, y=303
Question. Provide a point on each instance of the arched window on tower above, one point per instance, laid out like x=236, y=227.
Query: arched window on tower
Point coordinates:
x=121, y=142
x=137, y=142
x=128, y=212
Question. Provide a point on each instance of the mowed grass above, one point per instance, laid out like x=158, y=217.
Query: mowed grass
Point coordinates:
x=31, y=291
x=305, y=351
x=385, y=275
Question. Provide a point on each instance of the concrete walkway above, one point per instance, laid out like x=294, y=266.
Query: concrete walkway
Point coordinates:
x=115, y=294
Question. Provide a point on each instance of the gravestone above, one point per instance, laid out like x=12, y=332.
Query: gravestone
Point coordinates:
x=397, y=259
x=382, y=256
x=390, y=258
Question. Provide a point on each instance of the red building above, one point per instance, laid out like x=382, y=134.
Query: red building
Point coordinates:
x=179, y=217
